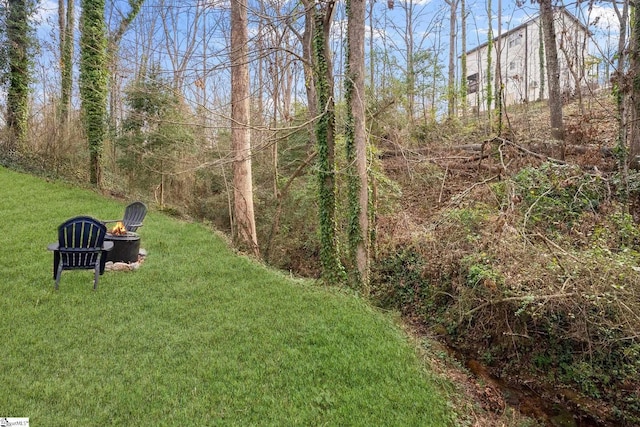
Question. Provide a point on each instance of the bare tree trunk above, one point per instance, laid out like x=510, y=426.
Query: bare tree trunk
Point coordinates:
x=357, y=142
x=634, y=114
x=463, y=57
x=553, y=72
x=542, y=76
x=372, y=80
x=411, y=72
x=623, y=163
x=489, y=83
x=451, y=92
x=434, y=73
x=306, y=39
x=180, y=36
x=113, y=46
x=498, y=76
x=245, y=225
x=572, y=49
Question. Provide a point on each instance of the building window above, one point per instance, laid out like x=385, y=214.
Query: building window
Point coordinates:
x=472, y=83
x=515, y=40
x=512, y=65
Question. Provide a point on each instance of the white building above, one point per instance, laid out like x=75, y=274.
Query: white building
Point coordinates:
x=522, y=50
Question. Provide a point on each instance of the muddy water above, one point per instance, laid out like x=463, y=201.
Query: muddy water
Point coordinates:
x=554, y=408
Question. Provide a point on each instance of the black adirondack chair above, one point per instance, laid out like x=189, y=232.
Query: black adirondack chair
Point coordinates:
x=133, y=216
x=80, y=245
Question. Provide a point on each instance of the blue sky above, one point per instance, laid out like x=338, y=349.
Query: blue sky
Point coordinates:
x=430, y=32
x=477, y=22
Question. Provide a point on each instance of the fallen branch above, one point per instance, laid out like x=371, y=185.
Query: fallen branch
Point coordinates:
x=529, y=298
x=555, y=245
x=526, y=151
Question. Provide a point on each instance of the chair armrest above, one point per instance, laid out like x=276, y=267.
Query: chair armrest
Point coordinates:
x=80, y=250
x=107, y=221
x=106, y=246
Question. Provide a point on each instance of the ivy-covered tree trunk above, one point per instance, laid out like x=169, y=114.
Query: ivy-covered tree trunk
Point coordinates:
x=332, y=269
x=67, y=23
x=93, y=82
x=356, y=145
x=18, y=75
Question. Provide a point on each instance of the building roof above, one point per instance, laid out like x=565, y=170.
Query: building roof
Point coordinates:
x=526, y=23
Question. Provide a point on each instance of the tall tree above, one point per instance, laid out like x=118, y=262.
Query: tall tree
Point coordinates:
x=113, y=45
x=244, y=219
x=489, y=60
x=463, y=57
x=153, y=132
x=66, y=21
x=541, y=70
x=410, y=45
x=634, y=117
x=93, y=82
x=332, y=269
x=17, y=74
x=553, y=71
x=498, y=75
x=181, y=29
x=308, y=57
x=356, y=143
x=451, y=85
x=619, y=85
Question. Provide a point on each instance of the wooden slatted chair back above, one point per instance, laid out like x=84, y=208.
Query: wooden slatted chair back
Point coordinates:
x=80, y=241
x=80, y=245
x=134, y=215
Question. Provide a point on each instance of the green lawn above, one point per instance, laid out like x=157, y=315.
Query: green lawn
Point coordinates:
x=197, y=336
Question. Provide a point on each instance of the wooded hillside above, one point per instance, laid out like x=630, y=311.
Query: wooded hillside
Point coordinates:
x=336, y=141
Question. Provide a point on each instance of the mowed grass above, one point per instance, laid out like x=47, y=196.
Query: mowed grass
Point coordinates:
x=197, y=336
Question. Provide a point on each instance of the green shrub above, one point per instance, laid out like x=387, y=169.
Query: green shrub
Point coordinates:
x=556, y=195
x=398, y=281
x=480, y=272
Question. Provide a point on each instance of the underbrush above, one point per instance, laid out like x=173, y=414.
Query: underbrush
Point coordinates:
x=538, y=277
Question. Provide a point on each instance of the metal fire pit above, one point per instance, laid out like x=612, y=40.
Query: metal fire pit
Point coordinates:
x=126, y=247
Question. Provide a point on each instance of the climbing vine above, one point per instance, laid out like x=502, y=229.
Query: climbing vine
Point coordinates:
x=332, y=269
x=354, y=231
x=19, y=42
x=93, y=81
x=66, y=61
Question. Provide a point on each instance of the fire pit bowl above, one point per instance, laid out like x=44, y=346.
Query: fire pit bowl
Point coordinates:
x=126, y=247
